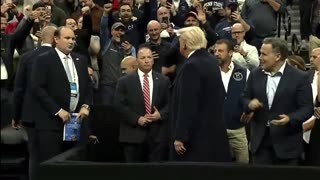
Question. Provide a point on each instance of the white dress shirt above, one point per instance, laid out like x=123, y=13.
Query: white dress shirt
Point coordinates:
x=273, y=82
x=227, y=75
x=4, y=72
x=73, y=73
x=141, y=77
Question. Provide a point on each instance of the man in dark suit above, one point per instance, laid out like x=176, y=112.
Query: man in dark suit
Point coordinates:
x=142, y=100
x=279, y=97
x=198, y=129
x=8, y=45
x=23, y=73
x=312, y=148
x=22, y=92
x=60, y=85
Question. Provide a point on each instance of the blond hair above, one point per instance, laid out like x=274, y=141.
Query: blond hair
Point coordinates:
x=193, y=37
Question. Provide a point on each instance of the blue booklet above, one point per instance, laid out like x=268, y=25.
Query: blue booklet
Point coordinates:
x=71, y=130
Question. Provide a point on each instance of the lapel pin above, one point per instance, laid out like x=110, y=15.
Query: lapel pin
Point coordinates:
x=156, y=78
x=77, y=59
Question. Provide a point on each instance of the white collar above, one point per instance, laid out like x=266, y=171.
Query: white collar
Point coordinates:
x=46, y=44
x=281, y=70
x=191, y=53
x=141, y=74
x=61, y=54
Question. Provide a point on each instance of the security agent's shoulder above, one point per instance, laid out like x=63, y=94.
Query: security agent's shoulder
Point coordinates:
x=26, y=56
x=256, y=70
x=162, y=78
x=295, y=72
x=128, y=77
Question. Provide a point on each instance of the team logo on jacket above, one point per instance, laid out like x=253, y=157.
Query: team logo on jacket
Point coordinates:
x=238, y=76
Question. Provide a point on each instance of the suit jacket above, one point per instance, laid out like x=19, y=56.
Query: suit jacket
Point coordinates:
x=9, y=43
x=197, y=110
x=293, y=97
x=50, y=89
x=22, y=80
x=129, y=102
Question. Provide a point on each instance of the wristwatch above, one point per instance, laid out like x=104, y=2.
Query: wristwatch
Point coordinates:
x=86, y=106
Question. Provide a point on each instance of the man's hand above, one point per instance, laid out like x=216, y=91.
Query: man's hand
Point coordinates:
x=255, y=104
x=172, y=8
x=236, y=16
x=15, y=124
x=126, y=46
x=283, y=121
x=317, y=112
x=34, y=15
x=240, y=50
x=90, y=71
x=64, y=115
x=142, y=121
x=179, y=147
x=155, y=116
x=83, y=113
x=38, y=34
x=196, y=3
x=85, y=10
x=155, y=55
x=246, y=117
x=164, y=26
x=4, y=8
x=201, y=15
x=14, y=9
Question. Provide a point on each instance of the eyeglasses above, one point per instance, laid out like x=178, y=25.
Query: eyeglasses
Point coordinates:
x=237, y=32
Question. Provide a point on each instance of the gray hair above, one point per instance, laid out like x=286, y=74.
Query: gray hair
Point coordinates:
x=278, y=46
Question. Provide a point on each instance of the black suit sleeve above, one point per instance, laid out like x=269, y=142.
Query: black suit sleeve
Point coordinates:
x=130, y=117
x=247, y=94
x=304, y=103
x=164, y=112
x=188, y=100
x=22, y=31
x=39, y=82
x=20, y=86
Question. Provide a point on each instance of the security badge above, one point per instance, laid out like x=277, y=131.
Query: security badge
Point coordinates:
x=238, y=76
x=74, y=89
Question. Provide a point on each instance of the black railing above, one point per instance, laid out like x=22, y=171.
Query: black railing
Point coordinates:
x=284, y=20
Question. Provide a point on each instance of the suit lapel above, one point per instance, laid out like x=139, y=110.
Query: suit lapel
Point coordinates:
x=60, y=68
x=77, y=65
x=155, y=89
x=281, y=86
x=139, y=87
x=262, y=81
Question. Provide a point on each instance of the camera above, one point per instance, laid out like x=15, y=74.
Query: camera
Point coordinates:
x=165, y=20
x=233, y=8
x=124, y=38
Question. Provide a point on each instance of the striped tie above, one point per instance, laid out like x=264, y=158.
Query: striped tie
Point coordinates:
x=146, y=94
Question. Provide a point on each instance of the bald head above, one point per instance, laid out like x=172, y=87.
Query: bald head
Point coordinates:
x=237, y=32
x=47, y=34
x=316, y=50
x=162, y=12
x=129, y=64
x=153, y=24
x=238, y=26
x=154, y=30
